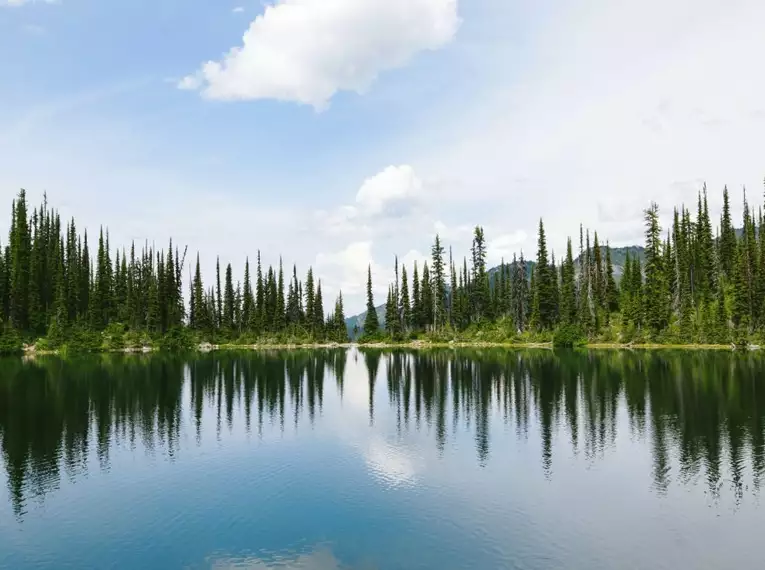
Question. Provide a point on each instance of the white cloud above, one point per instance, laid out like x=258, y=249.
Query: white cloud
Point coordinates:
x=350, y=267
x=238, y=10
x=385, y=204
x=503, y=246
x=307, y=50
x=615, y=104
x=391, y=192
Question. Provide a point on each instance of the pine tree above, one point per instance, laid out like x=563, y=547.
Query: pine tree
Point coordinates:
x=426, y=299
x=280, y=304
x=405, y=309
x=612, y=291
x=318, y=327
x=340, y=333
x=248, y=299
x=391, y=322
x=260, y=308
x=439, y=285
x=218, y=297
x=371, y=323
x=546, y=283
x=568, y=308
x=228, y=302
x=479, y=292
x=19, y=264
x=308, y=291
x=656, y=290
x=416, y=314
x=727, y=242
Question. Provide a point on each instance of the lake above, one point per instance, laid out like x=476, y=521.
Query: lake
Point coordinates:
x=330, y=459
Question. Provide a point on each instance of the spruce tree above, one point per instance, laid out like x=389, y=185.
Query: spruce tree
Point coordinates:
x=612, y=291
x=439, y=285
x=546, y=284
x=280, y=304
x=479, y=292
x=371, y=322
x=340, y=332
x=727, y=242
x=228, y=302
x=260, y=308
x=318, y=327
x=308, y=291
x=248, y=299
x=405, y=309
x=415, y=317
x=426, y=299
x=19, y=266
x=391, y=321
x=656, y=290
x=218, y=297
x=568, y=308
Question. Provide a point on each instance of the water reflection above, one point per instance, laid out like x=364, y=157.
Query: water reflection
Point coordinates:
x=700, y=414
x=321, y=558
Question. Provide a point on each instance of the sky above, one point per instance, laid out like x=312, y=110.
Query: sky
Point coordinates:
x=341, y=133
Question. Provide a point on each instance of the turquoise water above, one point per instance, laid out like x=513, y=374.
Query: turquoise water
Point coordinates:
x=383, y=460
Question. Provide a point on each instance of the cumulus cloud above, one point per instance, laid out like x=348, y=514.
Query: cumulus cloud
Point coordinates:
x=350, y=265
x=307, y=50
x=395, y=193
x=391, y=192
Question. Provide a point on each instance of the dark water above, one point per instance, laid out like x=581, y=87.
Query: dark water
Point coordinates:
x=384, y=460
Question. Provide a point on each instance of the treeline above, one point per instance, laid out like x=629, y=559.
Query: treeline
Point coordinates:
x=696, y=284
x=51, y=286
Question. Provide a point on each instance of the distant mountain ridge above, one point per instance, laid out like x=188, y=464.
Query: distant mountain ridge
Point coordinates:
x=618, y=258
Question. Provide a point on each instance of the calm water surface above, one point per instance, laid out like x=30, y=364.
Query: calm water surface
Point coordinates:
x=324, y=460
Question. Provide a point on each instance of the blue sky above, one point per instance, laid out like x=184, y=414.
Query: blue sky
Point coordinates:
x=342, y=132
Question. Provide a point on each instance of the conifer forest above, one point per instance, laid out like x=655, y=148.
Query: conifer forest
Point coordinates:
x=699, y=281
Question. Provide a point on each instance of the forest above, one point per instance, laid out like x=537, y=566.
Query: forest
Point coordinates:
x=697, y=283
x=55, y=293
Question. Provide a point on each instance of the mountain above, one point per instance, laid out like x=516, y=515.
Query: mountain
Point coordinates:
x=618, y=257
x=356, y=322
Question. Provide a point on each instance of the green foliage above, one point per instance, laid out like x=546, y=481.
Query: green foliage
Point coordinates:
x=177, y=339
x=569, y=336
x=10, y=341
x=691, y=288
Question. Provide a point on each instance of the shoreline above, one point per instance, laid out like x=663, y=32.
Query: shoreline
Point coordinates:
x=31, y=351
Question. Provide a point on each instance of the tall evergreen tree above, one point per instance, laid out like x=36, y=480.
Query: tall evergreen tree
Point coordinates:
x=439, y=285
x=568, y=308
x=371, y=322
x=405, y=309
x=546, y=283
x=318, y=327
x=656, y=297
x=415, y=317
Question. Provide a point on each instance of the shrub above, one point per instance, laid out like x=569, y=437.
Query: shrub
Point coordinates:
x=568, y=336
x=177, y=340
x=10, y=341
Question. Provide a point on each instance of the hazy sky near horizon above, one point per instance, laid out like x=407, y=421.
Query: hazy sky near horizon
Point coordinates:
x=342, y=132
